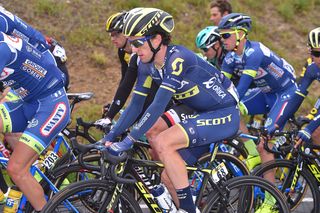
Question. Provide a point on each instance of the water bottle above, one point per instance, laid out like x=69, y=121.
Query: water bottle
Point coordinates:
x=163, y=198
x=13, y=200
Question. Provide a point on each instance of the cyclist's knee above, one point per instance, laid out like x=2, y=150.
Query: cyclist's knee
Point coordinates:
x=152, y=133
x=16, y=170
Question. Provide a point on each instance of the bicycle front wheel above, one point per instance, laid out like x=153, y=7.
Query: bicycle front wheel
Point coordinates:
x=305, y=196
x=88, y=196
x=246, y=194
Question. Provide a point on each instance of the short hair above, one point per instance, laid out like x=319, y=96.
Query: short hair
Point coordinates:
x=222, y=5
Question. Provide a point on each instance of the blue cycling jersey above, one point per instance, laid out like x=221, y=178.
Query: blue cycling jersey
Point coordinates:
x=13, y=25
x=184, y=76
x=259, y=64
x=30, y=73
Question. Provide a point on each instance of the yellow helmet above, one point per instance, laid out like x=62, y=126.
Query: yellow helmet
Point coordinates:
x=115, y=22
x=314, y=38
x=147, y=21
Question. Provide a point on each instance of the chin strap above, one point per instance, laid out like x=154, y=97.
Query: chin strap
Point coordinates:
x=239, y=39
x=154, y=50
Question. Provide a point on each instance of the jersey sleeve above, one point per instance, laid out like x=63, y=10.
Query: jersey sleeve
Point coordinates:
x=253, y=60
x=124, y=88
x=7, y=55
x=307, y=79
x=227, y=67
x=315, y=123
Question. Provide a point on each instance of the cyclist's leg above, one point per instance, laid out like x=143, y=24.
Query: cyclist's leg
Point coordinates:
x=174, y=115
x=254, y=100
x=48, y=117
x=18, y=168
x=200, y=130
x=277, y=103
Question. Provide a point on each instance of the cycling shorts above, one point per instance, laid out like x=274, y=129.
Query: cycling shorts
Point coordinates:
x=176, y=114
x=273, y=104
x=210, y=127
x=40, y=120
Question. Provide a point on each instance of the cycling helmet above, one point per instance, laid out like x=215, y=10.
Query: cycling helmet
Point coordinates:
x=115, y=22
x=235, y=21
x=314, y=38
x=207, y=37
x=147, y=21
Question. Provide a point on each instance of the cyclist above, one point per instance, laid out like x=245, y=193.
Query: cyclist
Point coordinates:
x=218, y=9
x=129, y=70
x=182, y=74
x=41, y=113
x=209, y=41
x=311, y=73
x=13, y=25
x=272, y=75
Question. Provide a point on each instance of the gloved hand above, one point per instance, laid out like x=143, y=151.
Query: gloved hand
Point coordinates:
x=118, y=148
x=103, y=124
x=304, y=135
x=243, y=109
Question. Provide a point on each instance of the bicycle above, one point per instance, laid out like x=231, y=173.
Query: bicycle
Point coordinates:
x=296, y=173
x=50, y=159
x=108, y=194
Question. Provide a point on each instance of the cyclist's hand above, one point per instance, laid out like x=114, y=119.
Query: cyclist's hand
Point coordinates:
x=103, y=124
x=105, y=110
x=119, y=147
x=304, y=135
x=243, y=109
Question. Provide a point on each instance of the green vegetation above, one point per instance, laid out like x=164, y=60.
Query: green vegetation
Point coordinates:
x=79, y=25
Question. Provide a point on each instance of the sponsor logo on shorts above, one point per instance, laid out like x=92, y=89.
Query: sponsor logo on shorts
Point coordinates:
x=54, y=120
x=33, y=123
x=214, y=121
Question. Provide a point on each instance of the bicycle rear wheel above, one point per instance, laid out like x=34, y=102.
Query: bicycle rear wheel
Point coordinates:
x=245, y=194
x=88, y=196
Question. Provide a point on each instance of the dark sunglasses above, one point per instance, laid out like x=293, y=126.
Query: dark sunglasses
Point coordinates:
x=315, y=53
x=140, y=41
x=205, y=49
x=227, y=34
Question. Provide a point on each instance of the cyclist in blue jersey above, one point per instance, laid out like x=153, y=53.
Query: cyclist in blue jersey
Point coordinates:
x=185, y=76
x=311, y=73
x=40, y=114
x=13, y=25
x=273, y=77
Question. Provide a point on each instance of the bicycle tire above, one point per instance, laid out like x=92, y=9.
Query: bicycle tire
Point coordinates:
x=101, y=186
x=245, y=184
x=305, y=173
x=226, y=157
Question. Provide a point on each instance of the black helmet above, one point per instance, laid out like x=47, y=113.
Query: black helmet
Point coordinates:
x=115, y=22
x=147, y=21
x=314, y=38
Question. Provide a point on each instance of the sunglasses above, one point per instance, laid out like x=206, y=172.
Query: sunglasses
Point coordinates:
x=315, y=53
x=205, y=49
x=227, y=35
x=140, y=41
